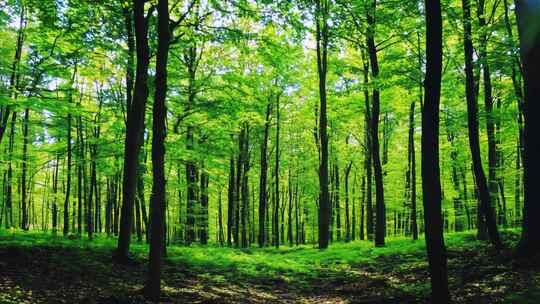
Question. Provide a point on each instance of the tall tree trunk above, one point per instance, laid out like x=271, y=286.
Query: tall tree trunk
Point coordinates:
x=488, y=103
x=367, y=153
x=69, y=156
x=517, y=84
x=336, y=202
x=289, y=213
x=24, y=223
x=296, y=212
x=191, y=181
x=203, y=232
x=245, y=188
x=412, y=172
x=528, y=14
x=55, y=192
x=353, y=206
x=276, y=175
x=238, y=187
x=191, y=59
x=80, y=166
x=263, y=198
x=230, y=202
x=14, y=77
x=322, y=14
x=140, y=186
x=347, y=217
x=135, y=122
x=374, y=128
x=517, y=186
x=431, y=182
x=362, y=211
x=474, y=141
x=220, y=238
x=157, y=226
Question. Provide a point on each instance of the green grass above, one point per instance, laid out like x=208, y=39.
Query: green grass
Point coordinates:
x=400, y=266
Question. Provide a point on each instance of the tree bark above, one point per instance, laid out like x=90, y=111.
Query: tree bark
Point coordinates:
x=528, y=14
x=380, y=228
x=263, y=198
x=412, y=172
x=322, y=68
x=347, y=218
x=14, y=77
x=24, y=223
x=157, y=227
x=431, y=183
x=367, y=153
x=230, y=202
x=203, y=232
x=134, y=126
x=474, y=141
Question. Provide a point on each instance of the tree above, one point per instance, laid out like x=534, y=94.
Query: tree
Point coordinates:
x=135, y=125
x=528, y=15
x=474, y=142
x=322, y=27
x=157, y=224
x=263, y=199
x=431, y=184
x=380, y=223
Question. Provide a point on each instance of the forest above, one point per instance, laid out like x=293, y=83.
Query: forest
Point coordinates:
x=269, y=151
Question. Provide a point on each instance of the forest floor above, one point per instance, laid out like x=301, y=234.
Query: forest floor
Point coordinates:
x=41, y=268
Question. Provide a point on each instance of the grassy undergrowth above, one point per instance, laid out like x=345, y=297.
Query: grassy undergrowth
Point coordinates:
x=346, y=272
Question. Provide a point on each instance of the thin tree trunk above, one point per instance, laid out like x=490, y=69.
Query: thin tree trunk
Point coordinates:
x=367, y=155
x=412, y=172
x=220, y=220
x=14, y=78
x=203, y=232
x=322, y=14
x=245, y=188
x=230, y=202
x=263, y=198
x=24, y=223
x=276, y=175
x=347, y=217
x=488, y=103
x=55, y=191
x=374, y=128
x=69, y=156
